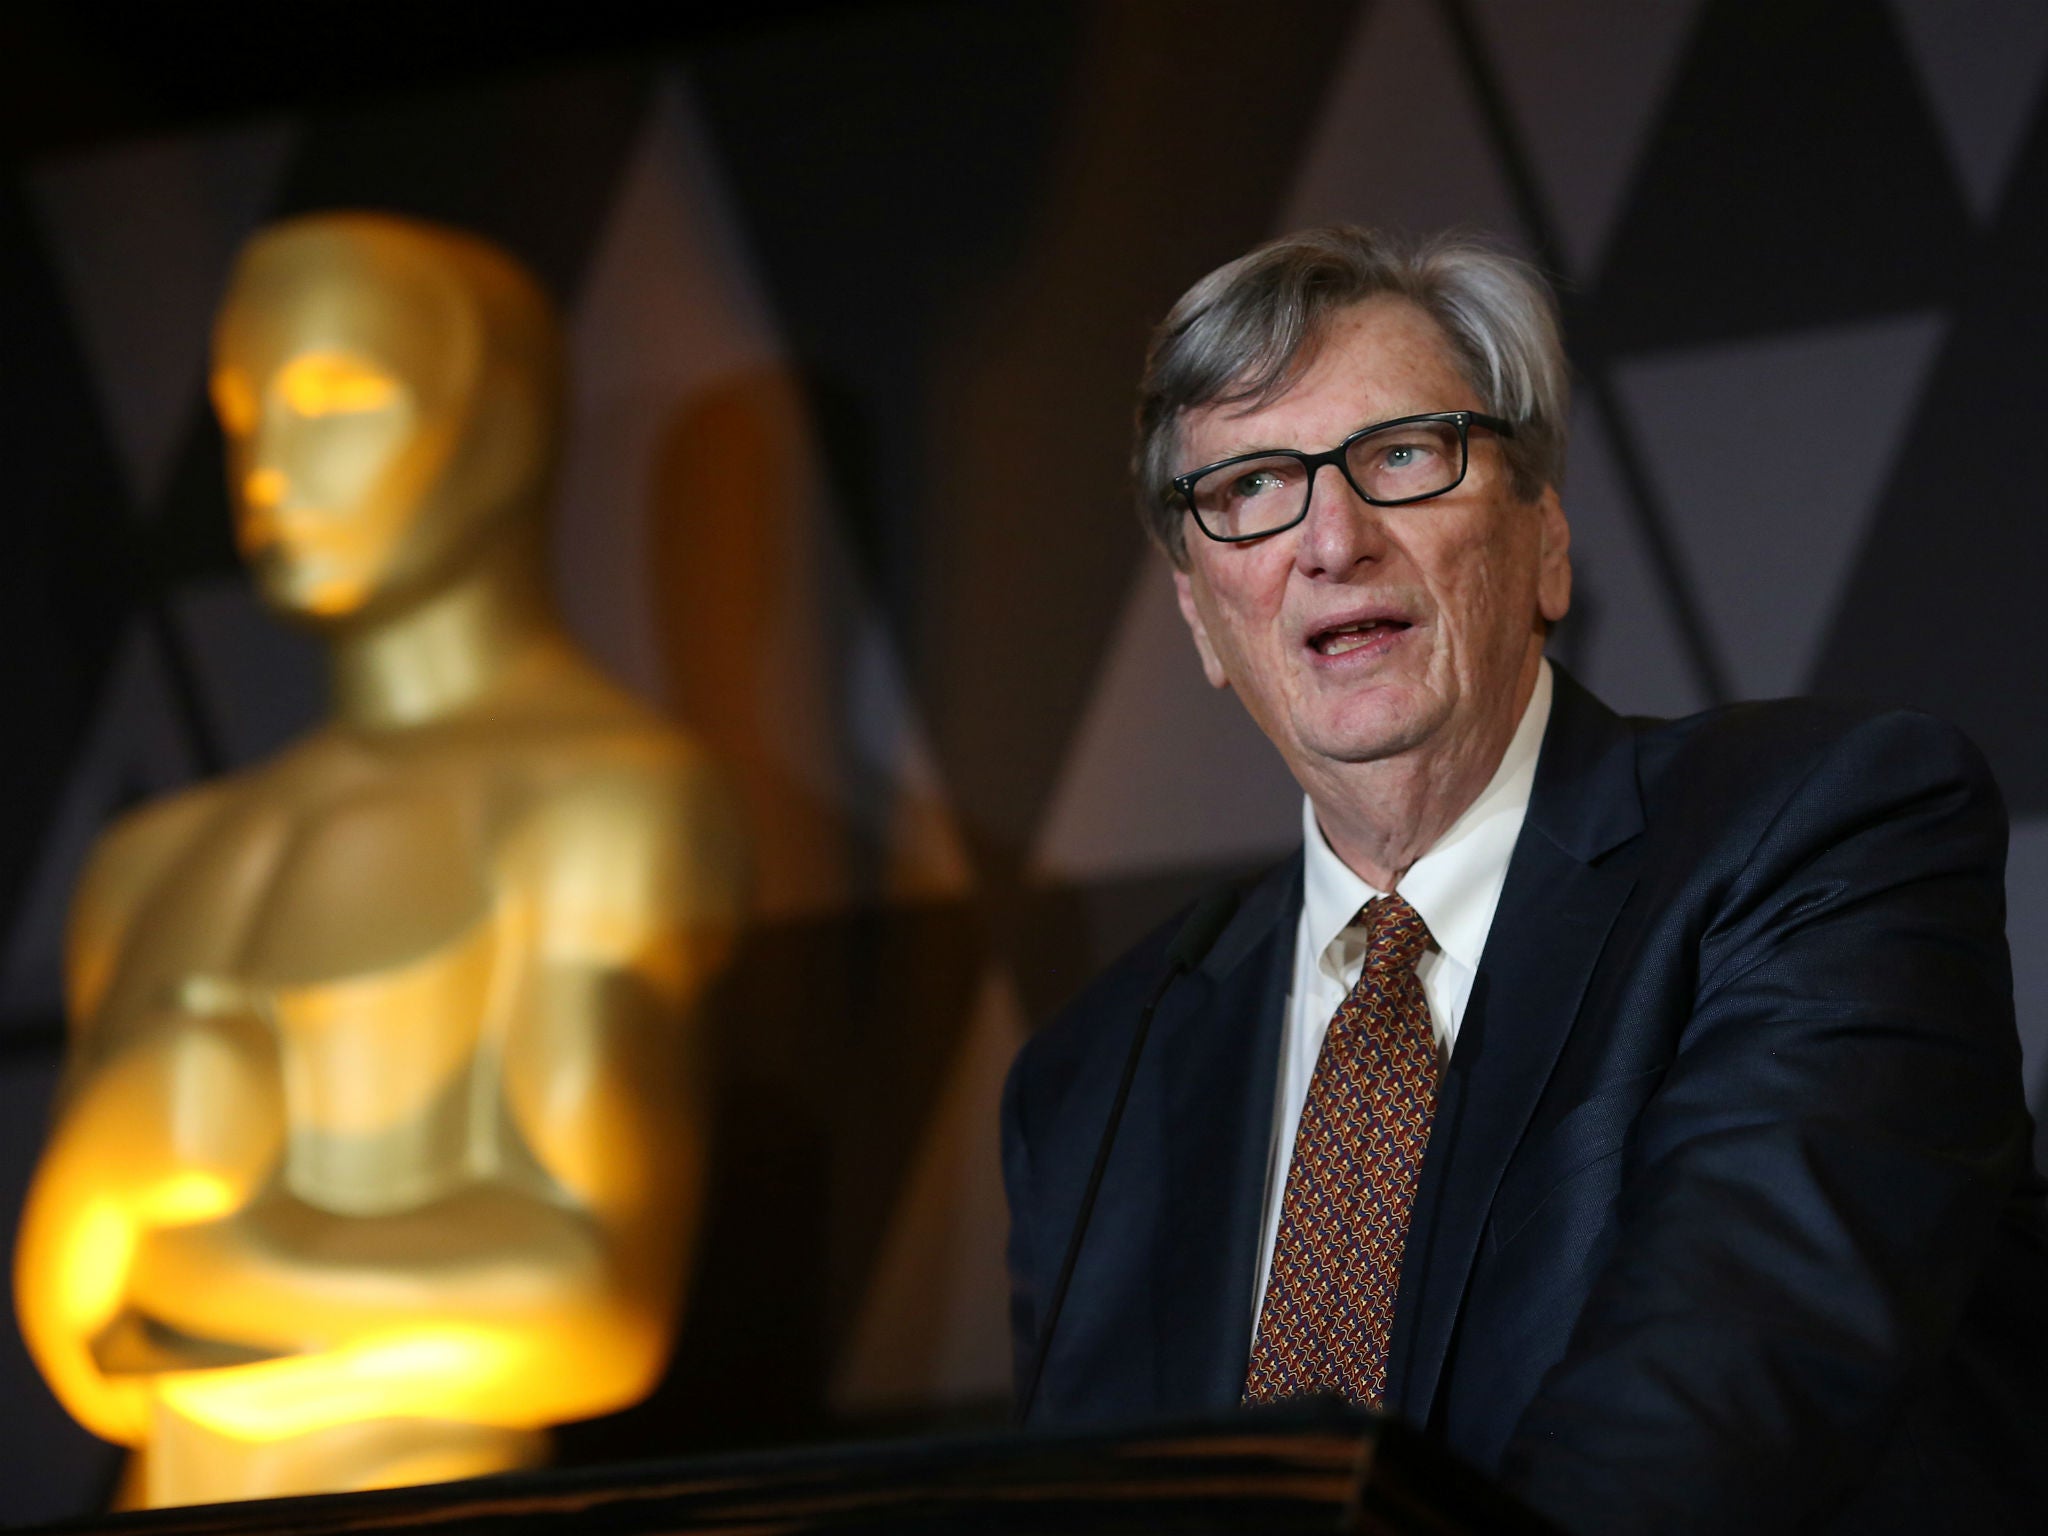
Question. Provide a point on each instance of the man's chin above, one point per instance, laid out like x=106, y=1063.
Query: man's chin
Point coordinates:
x=1385, y=728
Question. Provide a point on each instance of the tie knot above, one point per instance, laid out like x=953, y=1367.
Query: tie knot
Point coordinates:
x=1395, y=934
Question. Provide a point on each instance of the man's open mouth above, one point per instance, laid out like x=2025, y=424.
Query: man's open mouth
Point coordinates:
x=1342, y=638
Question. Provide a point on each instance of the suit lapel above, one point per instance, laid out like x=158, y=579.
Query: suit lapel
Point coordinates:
x=1219, y=1046
x=1556, y=908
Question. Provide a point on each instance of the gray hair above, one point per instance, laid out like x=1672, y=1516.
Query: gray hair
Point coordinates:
x=1247, y=331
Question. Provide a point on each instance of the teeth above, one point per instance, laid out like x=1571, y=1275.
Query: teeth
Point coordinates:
x=1350, y=637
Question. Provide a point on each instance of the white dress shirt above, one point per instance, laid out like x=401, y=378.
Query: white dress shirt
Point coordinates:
x=1454, y=888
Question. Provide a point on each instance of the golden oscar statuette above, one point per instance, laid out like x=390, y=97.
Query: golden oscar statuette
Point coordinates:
x=380, y=1142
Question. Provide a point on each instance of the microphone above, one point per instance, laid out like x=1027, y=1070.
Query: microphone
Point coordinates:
x=1201, y=930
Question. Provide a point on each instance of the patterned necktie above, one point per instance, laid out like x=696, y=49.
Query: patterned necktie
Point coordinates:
x=1329, y=1301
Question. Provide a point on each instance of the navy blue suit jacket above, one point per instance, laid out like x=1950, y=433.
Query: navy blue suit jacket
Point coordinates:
x=1728, y=1218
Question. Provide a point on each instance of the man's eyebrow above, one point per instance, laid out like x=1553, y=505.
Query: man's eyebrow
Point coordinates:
x=1239, y=453
x=1279, y=447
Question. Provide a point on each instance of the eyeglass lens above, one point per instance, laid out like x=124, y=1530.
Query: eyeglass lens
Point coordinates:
x=1397, y=463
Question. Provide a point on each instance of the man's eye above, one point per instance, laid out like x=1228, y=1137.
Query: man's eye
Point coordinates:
x=1256, y=483
x=1400, y=456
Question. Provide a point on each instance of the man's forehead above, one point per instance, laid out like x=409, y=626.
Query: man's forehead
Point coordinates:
x=1374, y=360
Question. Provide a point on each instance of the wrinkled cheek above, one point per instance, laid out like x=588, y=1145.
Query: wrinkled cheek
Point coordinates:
x=1481, y=617
x=1236, y=636
x=1258, y=674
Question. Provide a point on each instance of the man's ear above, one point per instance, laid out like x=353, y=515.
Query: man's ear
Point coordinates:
x=1553, y=558
x=1191, y=610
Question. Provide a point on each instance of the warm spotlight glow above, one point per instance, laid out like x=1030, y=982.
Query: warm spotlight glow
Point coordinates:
x=189, y=1195
x=335, y=384
x=456, y=1374
x=95, y=1266
x=265, y=488
x=234, y=401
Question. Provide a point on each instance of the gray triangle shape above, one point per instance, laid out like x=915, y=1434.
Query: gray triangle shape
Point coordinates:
x=1982, y=63
x=1401, y=143
x=143, y=237
x=1621, y=638
x=1164, y=772
x=1771, y=456
x=669, y=306
x=1584, y=80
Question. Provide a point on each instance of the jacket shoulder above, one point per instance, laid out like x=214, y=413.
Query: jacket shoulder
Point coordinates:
x=1770, y=749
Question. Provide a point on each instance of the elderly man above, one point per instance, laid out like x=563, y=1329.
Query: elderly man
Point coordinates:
x=1635, y=1104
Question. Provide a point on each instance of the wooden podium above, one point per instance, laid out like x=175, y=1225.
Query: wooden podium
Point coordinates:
x=1317, y=1468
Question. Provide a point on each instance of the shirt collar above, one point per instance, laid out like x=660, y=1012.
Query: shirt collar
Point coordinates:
x=1456, y=884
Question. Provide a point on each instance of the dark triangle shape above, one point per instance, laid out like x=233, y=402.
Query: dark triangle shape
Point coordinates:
x=529, y=162
x=1943, y=609
x=66, y=547
x=884, y=165
x=190, y=534
x=1796, y=178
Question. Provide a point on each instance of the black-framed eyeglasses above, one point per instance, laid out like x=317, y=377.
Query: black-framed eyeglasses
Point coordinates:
x=1389, y=464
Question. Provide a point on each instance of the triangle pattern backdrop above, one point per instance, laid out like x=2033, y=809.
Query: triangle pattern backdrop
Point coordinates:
x=1131, y=797
x=844, y=494
x=1771, y=454
x=1982, y=63
x=1392, y=151
x=1620, y=638
x=142, y=234
x=1585, y=80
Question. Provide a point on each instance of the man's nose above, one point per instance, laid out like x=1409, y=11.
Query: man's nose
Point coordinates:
x=1341, y=529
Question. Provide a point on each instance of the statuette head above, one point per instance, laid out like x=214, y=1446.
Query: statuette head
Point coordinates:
x=389, y=392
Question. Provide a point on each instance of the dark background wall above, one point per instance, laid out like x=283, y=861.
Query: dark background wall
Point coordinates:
x=856, y=295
